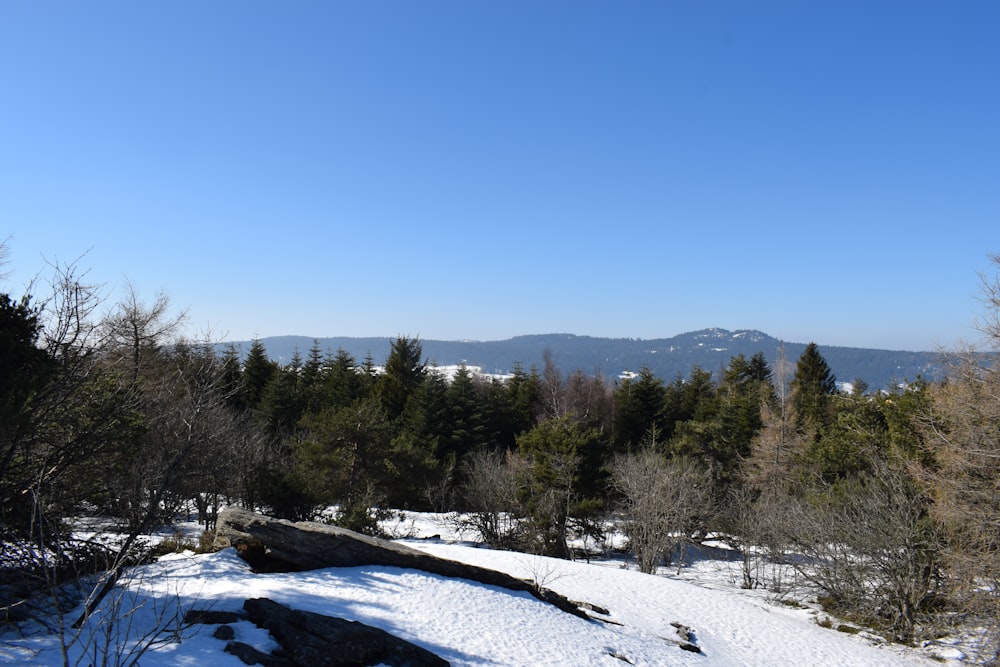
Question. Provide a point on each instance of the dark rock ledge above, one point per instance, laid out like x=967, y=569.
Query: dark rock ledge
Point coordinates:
x=277, y=545
x=308, y=639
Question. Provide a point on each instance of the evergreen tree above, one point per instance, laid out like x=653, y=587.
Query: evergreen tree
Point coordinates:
x=685, y=400
x=497, y=411
x=466, y=401
x=524, y=391
x=313, y=380
x=26, y=370
x=698, y=396
x=565, y=478
x=811, y=388
x=345, y=455
x=856, y=435
x=419, y=449
x=282, y=404
x=404, y=371
x=345, y=383
x=746, y=386
x=258, y=371
x=639, y=407
x=26, y=367
x=697, y=431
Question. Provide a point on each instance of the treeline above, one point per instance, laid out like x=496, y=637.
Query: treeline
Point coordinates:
x=888, y=499
x=666, y=357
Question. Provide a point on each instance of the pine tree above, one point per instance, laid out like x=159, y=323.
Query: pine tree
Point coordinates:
x=465, y=415
x=313, y=379
x=566, y=471
x=404, y=371
x=345, y=383
x=524, y=390
x=812, y=386
x=282, y=404
x=746, y=386
x=26, y=370
x=345, y=455
x=258, y=371
x=639, y=407
x=420, y=453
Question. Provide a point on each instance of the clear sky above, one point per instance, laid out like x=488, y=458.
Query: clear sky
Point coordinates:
x=821, y=171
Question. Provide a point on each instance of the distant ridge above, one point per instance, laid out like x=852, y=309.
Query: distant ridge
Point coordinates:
x=711, y=349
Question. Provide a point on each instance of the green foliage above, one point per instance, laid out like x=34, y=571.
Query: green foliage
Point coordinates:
x=466, y=401
x=344, y=382
x=312, y=387
x=404, y=372
x=639, y=406
x=26, y=367
x=26, y=371
x=857, y=435
x=345, y=456
x=283, y=402
x=746, y=387
x=905, y=411
x=812, y=386
x=519, y=409
x=565, y=468
x=258, y=371
x=284, y=493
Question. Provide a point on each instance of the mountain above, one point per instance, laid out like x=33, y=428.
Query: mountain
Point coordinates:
x=711, y=349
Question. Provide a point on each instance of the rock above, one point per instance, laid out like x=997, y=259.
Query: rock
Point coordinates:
x=688, y=640
x=251, y=656
x=211, y=617
x=225, y=633
x=277, y=545
x=324, y=641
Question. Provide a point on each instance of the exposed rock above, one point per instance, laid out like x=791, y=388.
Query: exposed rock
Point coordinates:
x=225, y=633
x=324, y=641
x=593, y=607
x=251, y=656
x=212, y=617
x=688, y=640
x=277, y=545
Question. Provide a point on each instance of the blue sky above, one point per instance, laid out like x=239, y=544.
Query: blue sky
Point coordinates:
x=821, y=171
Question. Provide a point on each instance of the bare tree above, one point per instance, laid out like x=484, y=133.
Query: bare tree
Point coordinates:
x=989, y=291
x=664, y=502
x=490, y=493
x=186, y=422
x=870, y=545
x=552, y=395
x=590, y=400
x=963, y=433
x=135, y=332
x=748, y=517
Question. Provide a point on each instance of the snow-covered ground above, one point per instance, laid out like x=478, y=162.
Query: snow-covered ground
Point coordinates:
x=473, y=624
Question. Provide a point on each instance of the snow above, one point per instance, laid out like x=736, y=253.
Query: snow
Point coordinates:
x=473, y=624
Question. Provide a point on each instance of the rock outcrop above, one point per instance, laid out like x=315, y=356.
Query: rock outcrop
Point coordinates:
x=308, y=639
x=277, y=545
x=325, y=641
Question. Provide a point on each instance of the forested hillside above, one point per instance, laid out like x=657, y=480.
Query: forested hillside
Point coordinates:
x=667, y=358
x=889, y=496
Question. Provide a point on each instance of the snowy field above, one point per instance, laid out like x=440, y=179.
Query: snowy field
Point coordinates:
x=472, y=624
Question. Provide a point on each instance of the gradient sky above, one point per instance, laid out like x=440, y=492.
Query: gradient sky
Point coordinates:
x=821, y=171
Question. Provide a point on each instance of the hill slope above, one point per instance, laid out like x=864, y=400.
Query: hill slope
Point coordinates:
x=472, y=625
x=710, y=349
